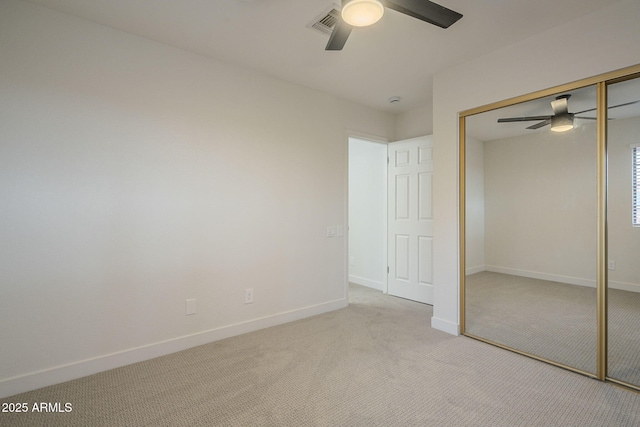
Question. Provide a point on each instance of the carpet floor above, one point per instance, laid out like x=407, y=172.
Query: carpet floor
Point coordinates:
x=555, y=320
x=375, y=363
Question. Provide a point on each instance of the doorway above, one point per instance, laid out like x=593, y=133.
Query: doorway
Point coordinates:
x=390, y=217
x=368, y=213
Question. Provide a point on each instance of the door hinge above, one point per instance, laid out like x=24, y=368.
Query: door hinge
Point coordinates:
x=387, y=159
x=387, y=269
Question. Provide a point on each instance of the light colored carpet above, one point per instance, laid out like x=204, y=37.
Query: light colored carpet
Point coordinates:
x=548, y=319
x=555, y=320
x=374, y=363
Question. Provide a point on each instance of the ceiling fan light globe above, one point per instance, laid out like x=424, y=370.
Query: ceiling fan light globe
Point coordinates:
x=562, y=128
x=362, y=13
x=562, y=122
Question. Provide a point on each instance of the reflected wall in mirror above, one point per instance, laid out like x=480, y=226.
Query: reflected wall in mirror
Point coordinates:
x=623, y=154
x=530, y=228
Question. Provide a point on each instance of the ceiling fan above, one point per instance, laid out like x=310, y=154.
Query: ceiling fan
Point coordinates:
x=561, y=120
x=361, y=13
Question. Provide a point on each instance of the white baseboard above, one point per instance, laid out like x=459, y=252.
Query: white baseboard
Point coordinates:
x=366, y=282
x=445, y=326
x=624, y=286
x=82, y=368
x=474, y=270
x=542, y=276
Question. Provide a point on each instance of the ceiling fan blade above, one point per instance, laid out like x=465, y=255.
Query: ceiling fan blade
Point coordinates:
x=523, y=119
x=339, y=35
x=541, y=124
x=613, y=106
x=591, y=118
x=585, y=111
x=425, y=10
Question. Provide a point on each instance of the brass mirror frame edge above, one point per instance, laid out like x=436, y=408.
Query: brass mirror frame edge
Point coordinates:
x=601, y=82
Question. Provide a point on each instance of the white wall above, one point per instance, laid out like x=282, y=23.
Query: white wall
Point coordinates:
x=134, y=176
x=608, y=40
x=537, y=208
x=623, y=238
x=541, y=206
x=475, y=197
x=367, y=213
x=414, y=123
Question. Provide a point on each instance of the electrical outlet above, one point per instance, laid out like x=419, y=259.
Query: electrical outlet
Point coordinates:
x=248, y=296
x=190, y=306
x=612, y=264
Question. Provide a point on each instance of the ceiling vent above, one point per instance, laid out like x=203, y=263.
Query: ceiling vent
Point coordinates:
x=325, y=22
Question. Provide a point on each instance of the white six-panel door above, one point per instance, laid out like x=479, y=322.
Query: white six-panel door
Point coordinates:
x=410, y=219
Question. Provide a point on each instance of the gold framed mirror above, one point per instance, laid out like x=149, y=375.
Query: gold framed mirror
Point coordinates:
x=533, y=222
x=623, y=221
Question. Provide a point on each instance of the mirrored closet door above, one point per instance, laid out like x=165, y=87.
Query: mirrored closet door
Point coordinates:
x=623, y=214
x=531, y=227
x=550, y=225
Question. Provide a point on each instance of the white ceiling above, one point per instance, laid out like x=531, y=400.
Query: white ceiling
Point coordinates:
x=396, y=57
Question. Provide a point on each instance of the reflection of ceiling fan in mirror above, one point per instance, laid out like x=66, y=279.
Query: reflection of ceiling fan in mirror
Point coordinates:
x=561, y=120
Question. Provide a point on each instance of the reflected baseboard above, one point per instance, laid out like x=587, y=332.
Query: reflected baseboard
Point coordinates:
x=542, y=276
x=474, y=270
x=623, y=286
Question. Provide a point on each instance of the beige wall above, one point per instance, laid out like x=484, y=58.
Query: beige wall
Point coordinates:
x=368, y=213
x=624, y=239
x=134, y=176
x=414, y=123
x=540, y=206
x=475, y=206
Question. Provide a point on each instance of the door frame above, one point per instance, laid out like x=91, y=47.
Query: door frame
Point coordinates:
x=385, y=229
